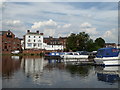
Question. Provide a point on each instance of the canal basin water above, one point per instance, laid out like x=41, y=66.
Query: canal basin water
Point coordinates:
x=38, y=72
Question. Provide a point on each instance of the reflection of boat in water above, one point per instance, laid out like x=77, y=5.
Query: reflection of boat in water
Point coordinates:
x=108, y=56
x=75, y=60
x=54, y=60
x=74, y=55
x=108, y=74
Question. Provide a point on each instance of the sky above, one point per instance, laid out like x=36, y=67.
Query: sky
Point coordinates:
x=98, y=19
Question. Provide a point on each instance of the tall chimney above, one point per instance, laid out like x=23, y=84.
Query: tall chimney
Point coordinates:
x=28, y=31
x=37, y=31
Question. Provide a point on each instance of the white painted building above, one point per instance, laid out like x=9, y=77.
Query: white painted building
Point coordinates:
x=33, y=40
x=52, y=47
x=22, y=44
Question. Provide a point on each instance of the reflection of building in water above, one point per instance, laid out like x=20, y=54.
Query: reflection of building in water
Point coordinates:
x=9, y=66
x=33, y=66
x=108, y=74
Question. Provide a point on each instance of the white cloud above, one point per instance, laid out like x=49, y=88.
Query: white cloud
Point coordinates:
x=90, y=30
x=111, y=35
x=66, y=25
x=16, y=26
x=107, y=34
x=44, y=23
x=49, y=32
x=85, y=24
x=13, y=22
x=62, y=13
x=87, y=27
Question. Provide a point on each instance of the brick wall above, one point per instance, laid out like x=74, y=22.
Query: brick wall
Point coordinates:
x=10, y=43
x=38, y=51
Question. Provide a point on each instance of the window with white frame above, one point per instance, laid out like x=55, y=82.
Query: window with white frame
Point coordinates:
x=29, y=44
x=28, y=40
x=34, y=44
x=39, y=40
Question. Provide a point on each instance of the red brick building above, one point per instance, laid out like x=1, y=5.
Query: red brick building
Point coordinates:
x=56, y=41
x=9, y=42
x=110, y=45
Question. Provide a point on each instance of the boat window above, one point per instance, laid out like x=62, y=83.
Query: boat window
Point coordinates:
x=71, y=54
x=53, y=54
x=75, y=53
x=100, y=51
x=57, y=53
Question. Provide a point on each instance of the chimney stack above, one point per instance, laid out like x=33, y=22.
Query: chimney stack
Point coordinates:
x=41, y=33
x=28, y=31
x=37, y=31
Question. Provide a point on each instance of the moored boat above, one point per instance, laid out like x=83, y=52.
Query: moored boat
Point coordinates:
x=74, y=55
x=53, y=54
x=107, y=56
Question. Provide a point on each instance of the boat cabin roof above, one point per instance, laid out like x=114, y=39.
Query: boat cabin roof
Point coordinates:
x=108, y=52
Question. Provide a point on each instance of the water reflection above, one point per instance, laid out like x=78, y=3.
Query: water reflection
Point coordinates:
x=33, y=66
x=9, y=66
x=69, y=65
x=35, y=71
x=109, y=74
x=82, y=71
x=54, y=63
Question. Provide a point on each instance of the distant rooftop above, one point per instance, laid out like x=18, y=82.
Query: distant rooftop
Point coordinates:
x=54, y=37
x=33, y=33
x=3, y=32
x=37, y=32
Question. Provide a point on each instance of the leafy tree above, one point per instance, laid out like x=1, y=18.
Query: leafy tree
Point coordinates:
x=100, y=42
x=71, y=41
x=77, y=42
x=83, y=42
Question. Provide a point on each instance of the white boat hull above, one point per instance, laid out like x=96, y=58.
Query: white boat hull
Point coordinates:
x=107, y=61
x=74, y=56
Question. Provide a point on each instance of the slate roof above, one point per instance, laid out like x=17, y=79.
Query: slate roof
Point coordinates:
x=33, y=33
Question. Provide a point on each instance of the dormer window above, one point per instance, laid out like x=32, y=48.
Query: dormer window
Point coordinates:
x=9, y=35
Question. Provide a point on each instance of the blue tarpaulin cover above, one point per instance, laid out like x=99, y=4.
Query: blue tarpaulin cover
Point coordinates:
x=107, y=52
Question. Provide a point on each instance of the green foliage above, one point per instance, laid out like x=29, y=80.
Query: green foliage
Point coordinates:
x=100, y=42
x=83, y=42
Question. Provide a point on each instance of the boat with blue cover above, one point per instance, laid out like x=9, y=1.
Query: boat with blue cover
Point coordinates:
x=107, y=56
x=53, y=54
